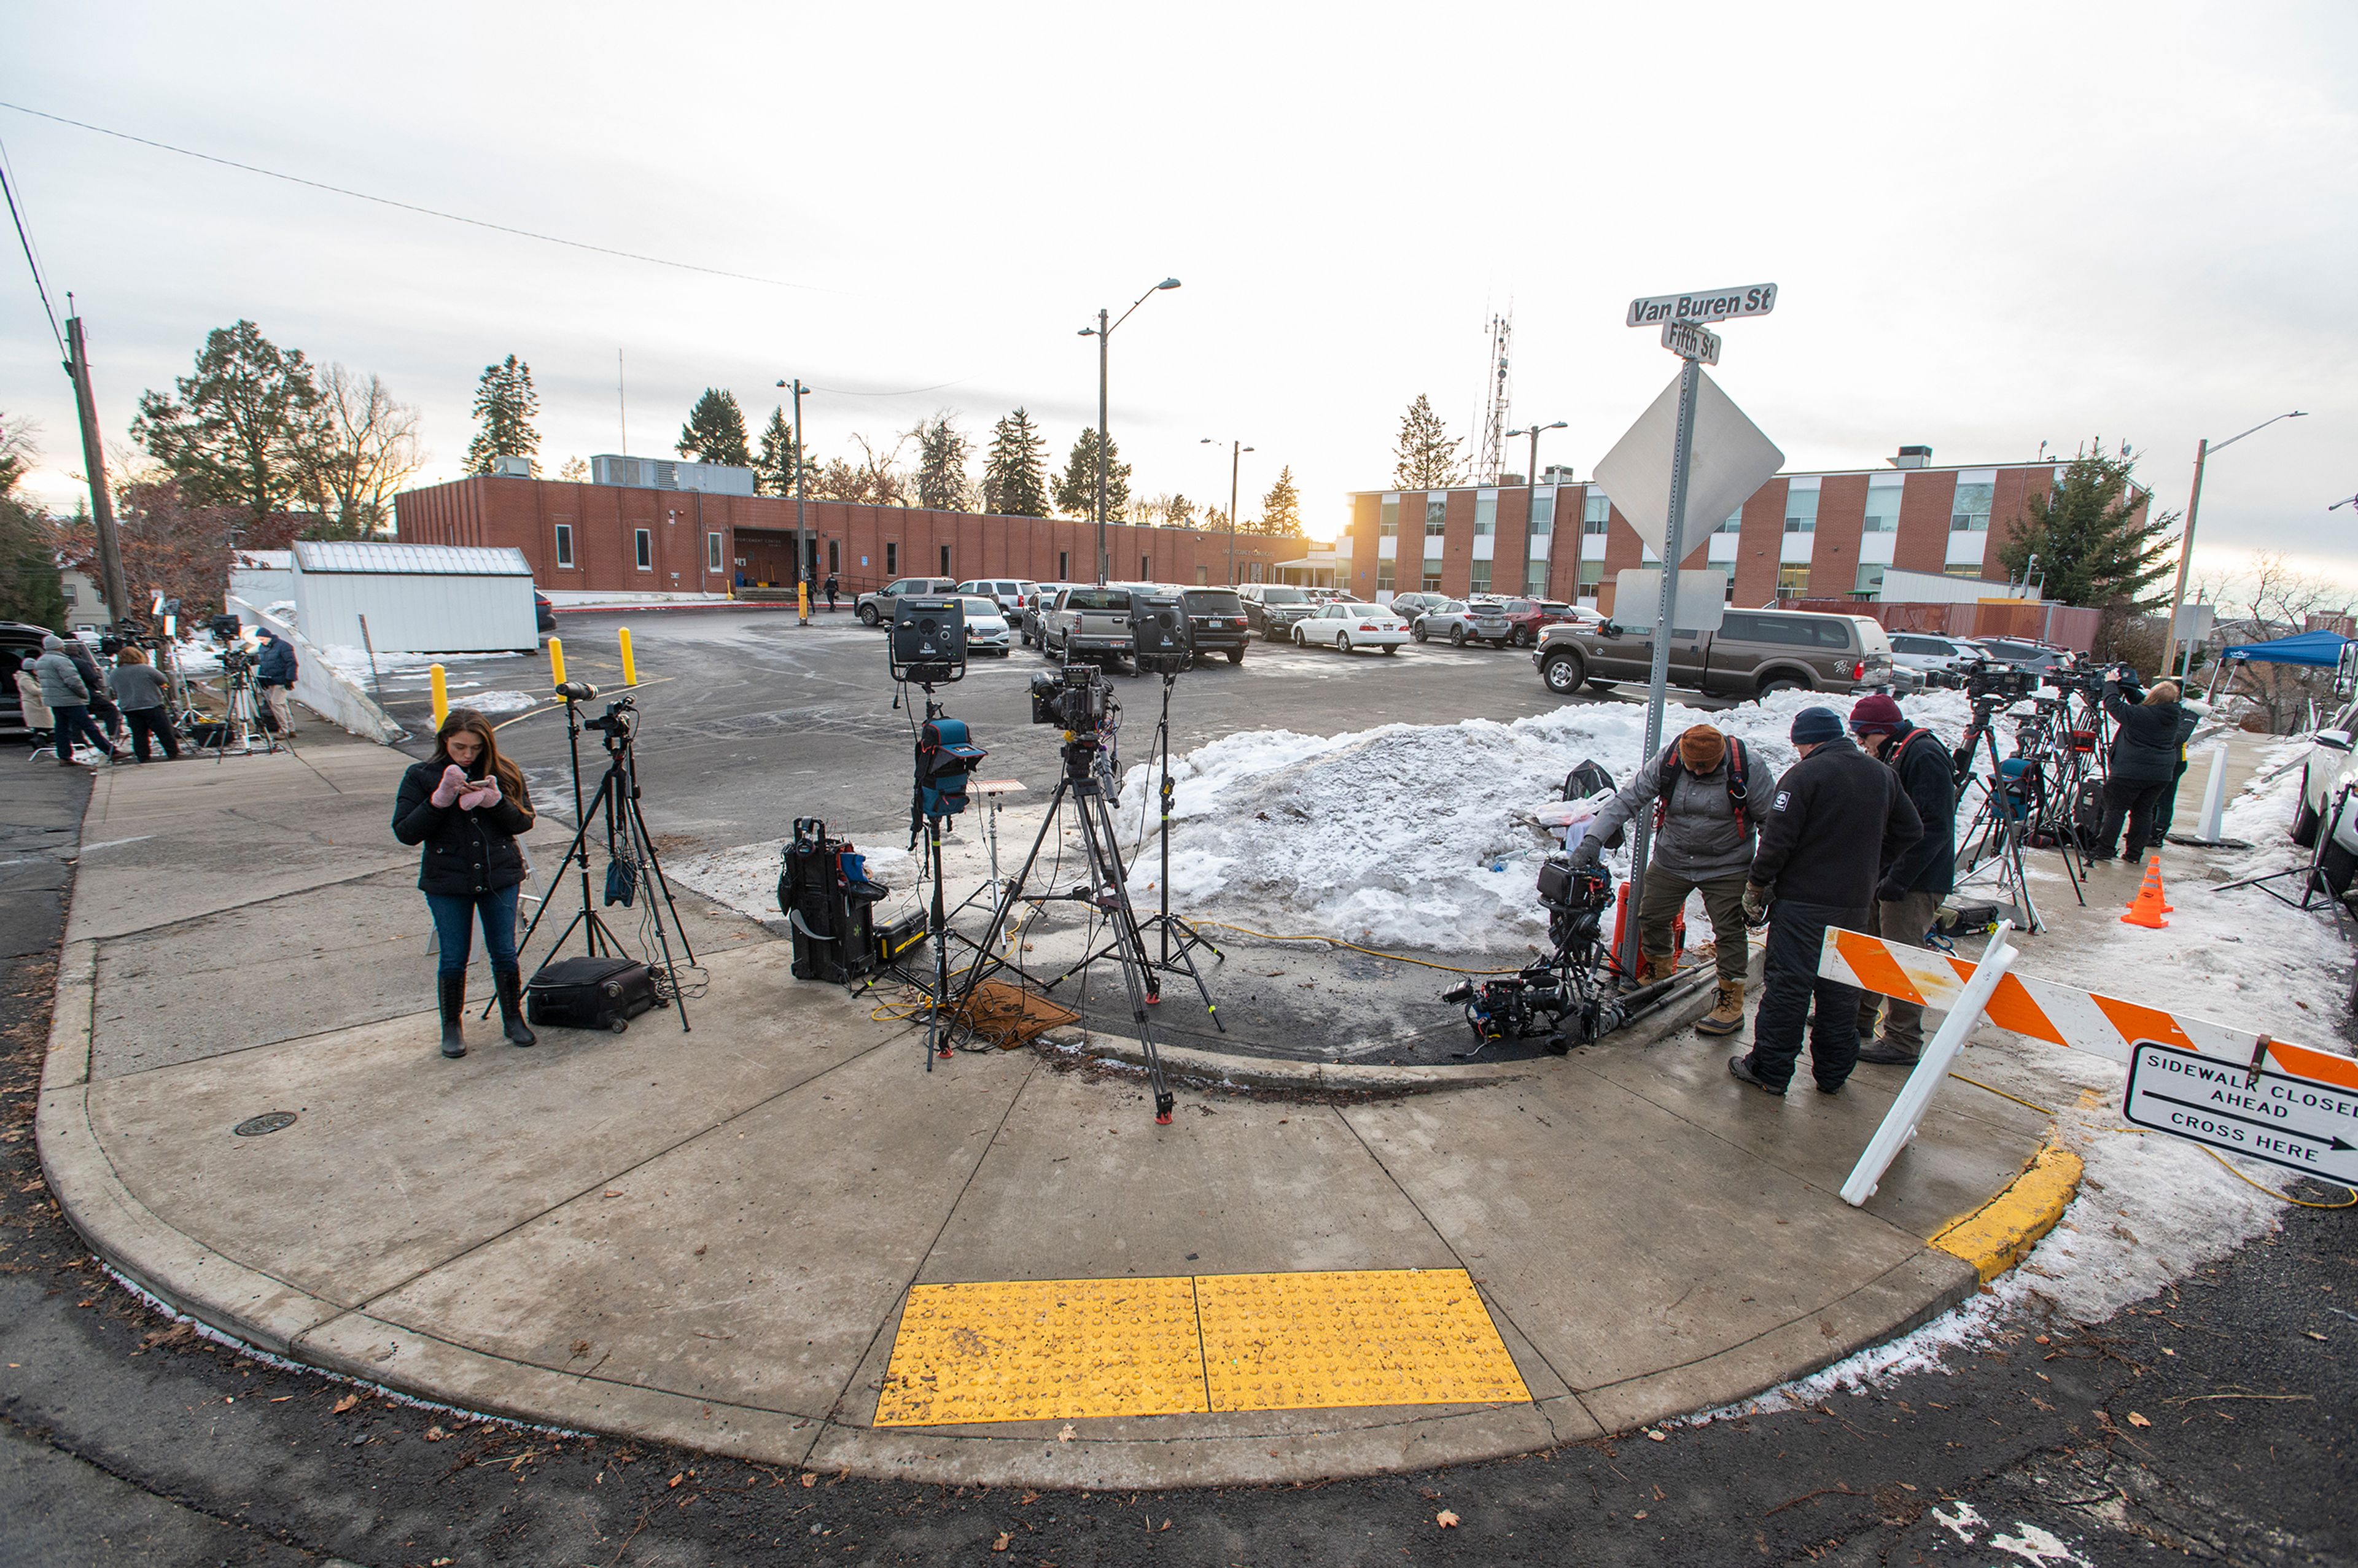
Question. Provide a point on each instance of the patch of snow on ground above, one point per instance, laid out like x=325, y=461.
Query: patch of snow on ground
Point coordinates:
x=355, y=662
x=499, y=702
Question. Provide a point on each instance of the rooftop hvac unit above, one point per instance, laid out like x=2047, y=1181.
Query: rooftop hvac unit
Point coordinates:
x=512, y=467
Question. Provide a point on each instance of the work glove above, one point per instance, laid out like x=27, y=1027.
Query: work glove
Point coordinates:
x=1888, y=890
x=478, y=797
x=1756, y=905
x=1589, y=853
x=452, y=782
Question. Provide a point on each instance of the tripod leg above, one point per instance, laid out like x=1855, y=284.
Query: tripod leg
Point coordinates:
x=1105, y=859
x=985, y=961
x=635, y=830
x=1128, y=926
x=655, y=864
x=938, y=1042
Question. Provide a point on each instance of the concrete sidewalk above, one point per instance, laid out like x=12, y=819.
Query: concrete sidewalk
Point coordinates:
x=710, y=1238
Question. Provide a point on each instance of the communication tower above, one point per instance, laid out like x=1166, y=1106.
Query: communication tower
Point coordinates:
x=1490, y=453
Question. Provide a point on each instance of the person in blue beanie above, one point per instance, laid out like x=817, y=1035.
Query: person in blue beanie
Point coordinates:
x=1834, y=820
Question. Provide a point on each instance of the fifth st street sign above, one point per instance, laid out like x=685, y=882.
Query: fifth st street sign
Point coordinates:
x=1691, y=342
x=2295, y=1122
x=1704, y=308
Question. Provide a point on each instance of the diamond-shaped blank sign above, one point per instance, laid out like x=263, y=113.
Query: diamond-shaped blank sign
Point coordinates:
x=1731, y=460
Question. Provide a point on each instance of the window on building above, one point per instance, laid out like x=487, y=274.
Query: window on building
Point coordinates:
x=1870, y=579
x=565, y=545
x=647, y=548
x=946, y=561
x=1063, y=566
x=1145, y=569
x=1535, y=579
x=1596, y=512
x=1384, y=577
x=1592, y=572
x=1486, y=516
x=712, y=552
x=1802, y=509
x=834, y=555
x=1388, y=518
x=1969, y=514
x=1436, y=516
x=1735, y=523
x=1792, y=580
x=1883, y=504
x=1729, y=597
x=68, y=589
x=892, y=559
x=1542, y=511
x=1963, y=568
x=1203, y=576
x=1479, y=581
x=1430, y=582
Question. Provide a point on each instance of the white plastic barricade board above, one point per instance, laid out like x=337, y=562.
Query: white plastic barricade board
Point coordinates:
x=1898, y=1128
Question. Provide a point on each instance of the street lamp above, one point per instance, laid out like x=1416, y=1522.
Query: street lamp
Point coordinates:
x=1102, y=331
x=802, y=541
x=1532, y=477
x=2202, y=452
x=1235, y=449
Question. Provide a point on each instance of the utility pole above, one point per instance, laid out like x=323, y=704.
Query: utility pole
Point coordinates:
x=93, y=458
x=2186, y=542
x=802, y=530
x=1235, y=449
x=1104, y=332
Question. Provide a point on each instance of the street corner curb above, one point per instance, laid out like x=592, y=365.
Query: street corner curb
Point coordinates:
x=2001, y=1233
x=67, y=1062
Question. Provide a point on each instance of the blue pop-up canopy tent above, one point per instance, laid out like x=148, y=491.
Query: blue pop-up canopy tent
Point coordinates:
x=2322, y=649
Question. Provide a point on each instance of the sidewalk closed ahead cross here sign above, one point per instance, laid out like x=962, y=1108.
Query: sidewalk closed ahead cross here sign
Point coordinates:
x=2301, y=1123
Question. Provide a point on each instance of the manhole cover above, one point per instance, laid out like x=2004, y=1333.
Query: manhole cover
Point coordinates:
x=268, y=1121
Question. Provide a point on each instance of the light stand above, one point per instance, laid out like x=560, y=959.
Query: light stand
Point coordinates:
x=2000, y=821
x=2312, y=872
x=938, y=1042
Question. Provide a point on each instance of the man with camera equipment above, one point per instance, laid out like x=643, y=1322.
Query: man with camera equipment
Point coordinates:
x=1837, y=818
x=1703, y=841
x=275, y=676
x=2146, y=746
x=1908, y=896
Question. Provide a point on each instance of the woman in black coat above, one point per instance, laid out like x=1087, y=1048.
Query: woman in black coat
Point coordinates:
x=2144, y=764
x=466, y=805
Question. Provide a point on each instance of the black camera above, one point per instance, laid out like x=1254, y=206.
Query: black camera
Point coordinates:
x=1162, y=641
x=237, y=658
x=225, y=628
x=619, y=721
x=928, y=641
x=1987, y=679
x=1075, y=698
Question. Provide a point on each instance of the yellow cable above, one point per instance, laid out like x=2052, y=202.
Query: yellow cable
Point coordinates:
x=2001, y=1094
x=2352, y=1202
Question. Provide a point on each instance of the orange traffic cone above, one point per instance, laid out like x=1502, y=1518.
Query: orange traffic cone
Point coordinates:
x=2146, y=908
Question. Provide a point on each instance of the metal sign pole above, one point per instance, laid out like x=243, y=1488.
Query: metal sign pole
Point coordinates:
x=1674, y=549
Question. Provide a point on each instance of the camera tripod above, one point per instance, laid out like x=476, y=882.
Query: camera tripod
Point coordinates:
x=247, y=718
x=1179, y=958
x=1107, y=893
x=2311, y=871
x=616, y=802
x=938, y=1042
x=1995, y=837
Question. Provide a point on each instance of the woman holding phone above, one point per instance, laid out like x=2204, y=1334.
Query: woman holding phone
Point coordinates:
x=467, y=804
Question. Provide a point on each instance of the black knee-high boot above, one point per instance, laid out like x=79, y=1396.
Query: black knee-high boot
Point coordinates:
x=454, y=1002
x=510, y=989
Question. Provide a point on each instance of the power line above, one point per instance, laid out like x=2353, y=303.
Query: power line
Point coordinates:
x=911, y=392
x=39, y=286
x=405, y=206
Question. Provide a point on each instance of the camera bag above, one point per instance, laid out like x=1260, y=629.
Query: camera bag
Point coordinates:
x=590, y=992
x=947, y=755
x=827, y=898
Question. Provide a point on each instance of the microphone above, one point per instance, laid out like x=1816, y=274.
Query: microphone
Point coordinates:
x=577, y=691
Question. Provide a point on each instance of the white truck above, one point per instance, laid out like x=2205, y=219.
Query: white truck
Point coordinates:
x=1086, y=622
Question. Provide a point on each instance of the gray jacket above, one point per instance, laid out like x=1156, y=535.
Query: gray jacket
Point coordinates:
x=1700, y=838
x=140, y=686
x=61, y=683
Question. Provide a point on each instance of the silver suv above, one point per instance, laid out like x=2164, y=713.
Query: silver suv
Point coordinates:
x=876, y=608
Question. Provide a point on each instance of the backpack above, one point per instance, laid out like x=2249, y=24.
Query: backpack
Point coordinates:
x=1739, y=780
x=945, y=756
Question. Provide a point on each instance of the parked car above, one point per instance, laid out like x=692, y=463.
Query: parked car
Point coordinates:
x=1409, y=606
x=1344, y=626
x=1009, y=591
x=1936, y=658
x=1273, y=608
x=1037, y=605
x=19, y=644
x=2024, y=655
x=2331, y=763
x=876, y=608
x=1528, y=616
x=543, y=613
x=1216, y=617
x=1086, y=621
x=987, y=630
x=1754, y=653
x=1474, y=620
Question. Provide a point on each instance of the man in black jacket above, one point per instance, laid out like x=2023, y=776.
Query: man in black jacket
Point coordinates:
x=1838, y=818
x=2145, y=760
x=1909, y=896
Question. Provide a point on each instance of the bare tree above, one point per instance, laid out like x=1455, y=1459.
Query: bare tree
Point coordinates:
x=2274, y=599
x=364, y=450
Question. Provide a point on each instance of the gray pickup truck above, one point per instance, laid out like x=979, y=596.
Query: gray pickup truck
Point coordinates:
x=1086, y=621
x=1754, y=653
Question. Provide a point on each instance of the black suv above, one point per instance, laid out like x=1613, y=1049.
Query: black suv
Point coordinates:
x=1273, y=608
x=1217, y=618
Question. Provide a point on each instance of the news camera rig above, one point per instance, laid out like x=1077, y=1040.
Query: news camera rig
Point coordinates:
x=927, y=648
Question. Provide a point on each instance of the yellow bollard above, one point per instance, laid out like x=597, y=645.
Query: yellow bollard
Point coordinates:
x=441, y=696
x=802, y=601
x=555, y=662
x=630, y=665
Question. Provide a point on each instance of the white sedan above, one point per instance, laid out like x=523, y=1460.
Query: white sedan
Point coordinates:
x=1344, y=627
x=986, y=625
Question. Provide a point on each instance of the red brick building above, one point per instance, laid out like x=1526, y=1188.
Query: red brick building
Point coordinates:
x=1816, y=536
x=604, y=538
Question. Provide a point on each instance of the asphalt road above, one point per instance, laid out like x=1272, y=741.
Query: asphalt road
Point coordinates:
x=751, y=722
x=2211, y=1423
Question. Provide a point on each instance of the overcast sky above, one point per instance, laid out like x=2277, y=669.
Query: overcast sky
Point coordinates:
x=1991, y=225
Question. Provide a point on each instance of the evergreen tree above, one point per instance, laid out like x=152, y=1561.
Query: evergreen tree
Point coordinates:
x=1280, y=509
x=2092, y=547
x=29, y=592
x=1077, y=487
x=1015, y=474
x=715, y=431
x=942, y=453
x=774, y=469
x=1426, y=456
x=244, y=428
x=505, y=406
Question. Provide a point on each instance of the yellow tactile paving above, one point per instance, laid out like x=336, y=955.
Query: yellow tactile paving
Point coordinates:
x=1060, y=1350
x=1381, y=1337
x=1042, y=1349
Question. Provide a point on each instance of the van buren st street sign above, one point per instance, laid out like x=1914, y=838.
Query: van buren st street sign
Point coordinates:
x=1703, y=307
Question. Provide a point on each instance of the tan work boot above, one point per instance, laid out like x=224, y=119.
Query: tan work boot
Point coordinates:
x=1728, y=1016
x=1650, y=970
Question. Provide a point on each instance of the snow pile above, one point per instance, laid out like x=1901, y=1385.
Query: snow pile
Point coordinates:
x=347, y=660
x=1419, y=835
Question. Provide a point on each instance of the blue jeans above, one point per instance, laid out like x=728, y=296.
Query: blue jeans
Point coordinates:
x=454, y=919
x=73, y=720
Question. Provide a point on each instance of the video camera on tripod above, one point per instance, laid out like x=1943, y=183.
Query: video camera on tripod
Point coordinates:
x=1988, y=680
x=1074, y=698
x=1567, y=988
x=619, y=723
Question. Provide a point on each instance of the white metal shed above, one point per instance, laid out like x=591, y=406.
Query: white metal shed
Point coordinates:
x=419, y=599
